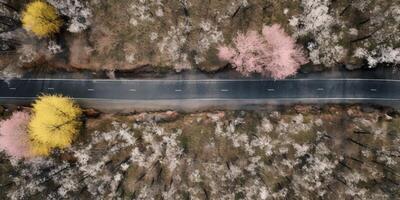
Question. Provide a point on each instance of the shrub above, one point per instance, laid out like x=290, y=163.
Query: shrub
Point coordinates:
x=14, y=139
x=41, y=18
x=274, y=53
x=55, y=123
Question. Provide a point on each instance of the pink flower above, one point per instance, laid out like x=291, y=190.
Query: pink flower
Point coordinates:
x=225, y=53
x=273, y=53
x=14, y=139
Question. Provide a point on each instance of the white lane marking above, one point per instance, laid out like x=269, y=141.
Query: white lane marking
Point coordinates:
x=132, y=90
x=224, y=90
x=320, y=89
x=271, y=90
x=373, y=90
x=91, y=90
x=178, y=90
x=50, y=88
x=223, y=99
x=12, y=88
x=213, y=80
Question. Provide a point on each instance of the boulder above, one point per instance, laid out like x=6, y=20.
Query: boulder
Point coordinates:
x=388, y=118
x=216, y=116
x=353, y=64
x=157, y=117
x=351, y=67
x=166, y=116
x=303, y=109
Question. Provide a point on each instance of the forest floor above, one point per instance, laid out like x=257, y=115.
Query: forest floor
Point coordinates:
x=156, y=37
x=332, y=152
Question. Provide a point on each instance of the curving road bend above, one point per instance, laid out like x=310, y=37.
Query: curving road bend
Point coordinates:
x=299, y=89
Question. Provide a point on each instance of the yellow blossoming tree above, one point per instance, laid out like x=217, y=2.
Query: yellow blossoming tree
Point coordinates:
x=41, y=18
x=54, y=124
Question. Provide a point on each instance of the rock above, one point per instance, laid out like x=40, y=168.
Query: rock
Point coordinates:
x=315, y=109
x=353, y=64
x=354, y=111
x=157, y=117
x=388, y=118
x=216, y=116
x=393, y=113
x=364, y=124
x=298, y=119
x=350, y=112
x=91, y=113
x=303, y=108
x=142, y=117
x=166, y=116
x=110, y=74
x=333, y=109
x=318, y=122
x=352, y=67
x=2, y=110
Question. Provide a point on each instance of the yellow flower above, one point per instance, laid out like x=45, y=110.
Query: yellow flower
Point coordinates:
x=54, y=124
x=38, y=149
x=41, y=18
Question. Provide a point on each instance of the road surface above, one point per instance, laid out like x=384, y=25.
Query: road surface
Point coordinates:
x=337, y=89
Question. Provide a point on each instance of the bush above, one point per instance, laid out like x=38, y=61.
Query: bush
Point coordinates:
x=55, y=123
x=41, y=18
x=14, y=138
x=274, y=53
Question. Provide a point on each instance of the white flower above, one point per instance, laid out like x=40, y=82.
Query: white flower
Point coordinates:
x=133, y=22
x=159, y=12
x=153, y=36
x=130, y=58
x=266, y=125
x=195, y=176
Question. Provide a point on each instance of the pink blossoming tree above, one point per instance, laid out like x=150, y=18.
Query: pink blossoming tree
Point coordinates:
x=14, y=139
x=274, y=53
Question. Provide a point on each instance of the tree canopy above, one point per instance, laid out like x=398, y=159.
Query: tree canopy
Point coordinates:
x=41, y=18
x=54, y=124
x=14, y=139
x=274, y=53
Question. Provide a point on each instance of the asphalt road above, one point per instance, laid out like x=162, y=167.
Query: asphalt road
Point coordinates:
x=337, y=89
